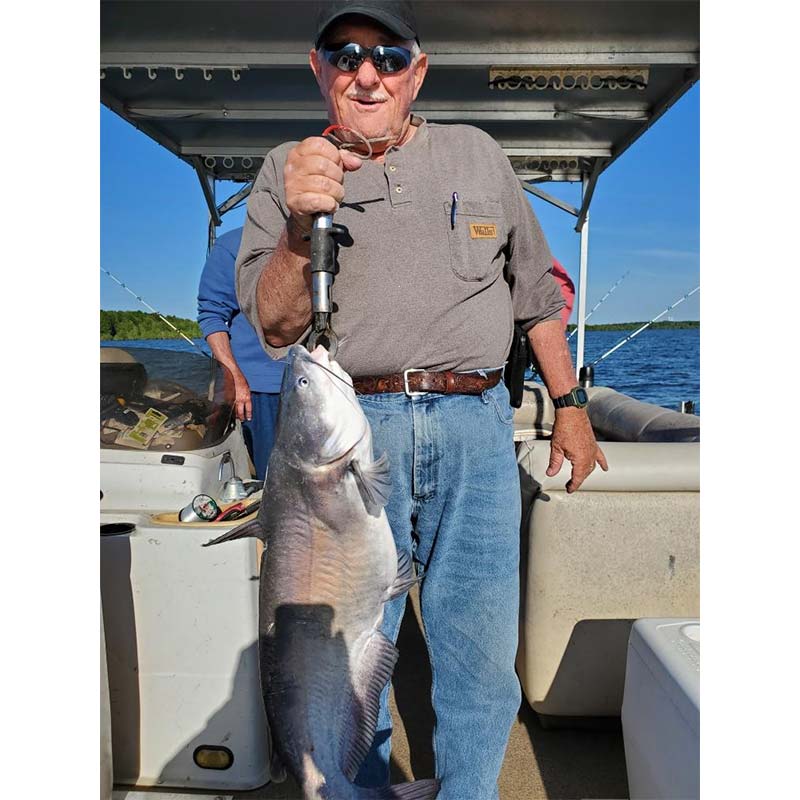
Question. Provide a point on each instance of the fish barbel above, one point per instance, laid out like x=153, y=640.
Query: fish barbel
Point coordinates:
x=330, y=564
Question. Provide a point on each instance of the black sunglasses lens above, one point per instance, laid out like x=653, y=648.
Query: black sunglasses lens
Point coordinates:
x=347, y=58
x=390, y=59
x=386, y=59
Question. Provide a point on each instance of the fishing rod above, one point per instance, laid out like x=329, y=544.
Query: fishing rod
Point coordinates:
x=602, y=300
x=158, y=314
x=646, y=325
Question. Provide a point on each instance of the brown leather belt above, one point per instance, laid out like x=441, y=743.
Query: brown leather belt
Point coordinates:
x=419, y=381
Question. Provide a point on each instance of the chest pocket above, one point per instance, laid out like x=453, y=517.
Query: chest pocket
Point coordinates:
x=477, y=235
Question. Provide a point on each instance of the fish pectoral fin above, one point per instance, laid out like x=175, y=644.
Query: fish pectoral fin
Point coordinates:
x=405, y=578
x=252, y=528
x=416, y=790
x=361, y=715
x=374, y=483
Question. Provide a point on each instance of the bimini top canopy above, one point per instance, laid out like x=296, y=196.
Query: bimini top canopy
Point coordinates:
x=564, y=87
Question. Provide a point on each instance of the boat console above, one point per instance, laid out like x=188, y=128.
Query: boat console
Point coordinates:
x=180, y=621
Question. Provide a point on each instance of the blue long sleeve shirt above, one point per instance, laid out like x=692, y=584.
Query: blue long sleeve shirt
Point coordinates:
x=218, y=310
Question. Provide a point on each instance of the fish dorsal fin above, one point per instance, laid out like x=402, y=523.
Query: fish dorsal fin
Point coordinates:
x=405, y=576
x=361, y=715
x=373, y=482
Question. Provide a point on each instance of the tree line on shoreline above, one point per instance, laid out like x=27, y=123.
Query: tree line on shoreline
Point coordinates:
x=624, y=326
x=133, y=325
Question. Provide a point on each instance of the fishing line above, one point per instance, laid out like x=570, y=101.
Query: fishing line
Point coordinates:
x=646, y=325
x=602, y=300
x=158, y=314
x=349, y=385
x=330, y=134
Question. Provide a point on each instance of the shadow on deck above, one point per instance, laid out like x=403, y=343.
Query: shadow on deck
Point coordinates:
x=540, y=763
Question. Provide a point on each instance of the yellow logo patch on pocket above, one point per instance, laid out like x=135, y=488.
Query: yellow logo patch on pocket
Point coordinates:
x=481, y=231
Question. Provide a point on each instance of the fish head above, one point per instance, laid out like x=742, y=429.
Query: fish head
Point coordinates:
x=320, y=419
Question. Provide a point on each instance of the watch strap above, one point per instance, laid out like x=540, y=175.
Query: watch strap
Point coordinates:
x=569, y=399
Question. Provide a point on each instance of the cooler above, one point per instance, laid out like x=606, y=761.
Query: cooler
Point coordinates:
x=661, y=709
x=182, y=645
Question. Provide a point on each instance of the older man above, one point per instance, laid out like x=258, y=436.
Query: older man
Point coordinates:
x=446, y=254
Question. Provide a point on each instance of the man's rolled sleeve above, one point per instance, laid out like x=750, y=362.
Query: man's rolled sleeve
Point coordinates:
x=535, y=295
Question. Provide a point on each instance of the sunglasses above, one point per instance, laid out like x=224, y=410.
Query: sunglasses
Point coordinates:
x=385, y=59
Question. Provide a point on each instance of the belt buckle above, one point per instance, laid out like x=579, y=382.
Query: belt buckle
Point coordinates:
x=406, y=388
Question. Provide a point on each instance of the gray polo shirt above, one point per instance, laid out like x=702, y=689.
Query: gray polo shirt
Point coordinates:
x=418, y=288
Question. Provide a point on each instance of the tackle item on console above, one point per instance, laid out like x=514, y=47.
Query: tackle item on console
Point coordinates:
x=203, y=508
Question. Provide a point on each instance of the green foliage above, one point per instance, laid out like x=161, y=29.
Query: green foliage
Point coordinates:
x=121, y=325
x=625, y=326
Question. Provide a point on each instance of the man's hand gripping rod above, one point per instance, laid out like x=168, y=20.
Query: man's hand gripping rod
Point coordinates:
x=323, y=264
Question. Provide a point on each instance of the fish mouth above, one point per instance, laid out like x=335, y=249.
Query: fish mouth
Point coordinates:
x=320, y=356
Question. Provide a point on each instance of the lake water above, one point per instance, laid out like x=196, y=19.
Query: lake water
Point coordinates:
x=657, y=366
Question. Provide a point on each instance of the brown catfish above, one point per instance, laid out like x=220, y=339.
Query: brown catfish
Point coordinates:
x=329, y=565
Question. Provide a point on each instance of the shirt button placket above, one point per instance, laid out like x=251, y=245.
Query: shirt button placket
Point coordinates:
x=398, y=191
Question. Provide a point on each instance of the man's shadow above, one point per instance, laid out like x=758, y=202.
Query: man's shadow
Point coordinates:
x=412, y=713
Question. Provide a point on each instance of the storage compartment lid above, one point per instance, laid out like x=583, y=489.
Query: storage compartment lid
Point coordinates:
x=670, y=648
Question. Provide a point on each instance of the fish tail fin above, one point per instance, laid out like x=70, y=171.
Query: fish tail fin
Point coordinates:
x=415, y=790
x=249, y=529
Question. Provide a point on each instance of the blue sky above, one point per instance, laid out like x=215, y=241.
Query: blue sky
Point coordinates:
x=645, y=218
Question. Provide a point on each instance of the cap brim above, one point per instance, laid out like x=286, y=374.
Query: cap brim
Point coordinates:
x=395, y=25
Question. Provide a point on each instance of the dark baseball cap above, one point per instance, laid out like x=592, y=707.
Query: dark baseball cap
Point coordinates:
x=396, y=15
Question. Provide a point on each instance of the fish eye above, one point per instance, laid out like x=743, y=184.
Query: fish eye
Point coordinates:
x=302, y=381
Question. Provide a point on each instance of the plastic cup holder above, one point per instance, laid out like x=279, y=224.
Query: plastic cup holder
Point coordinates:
x=117, y=528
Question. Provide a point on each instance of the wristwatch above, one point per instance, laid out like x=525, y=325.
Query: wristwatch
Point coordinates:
x=577, y=397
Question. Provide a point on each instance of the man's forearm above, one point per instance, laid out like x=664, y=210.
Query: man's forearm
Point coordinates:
x=553, y=357
x=284, y=290
x=220, y=345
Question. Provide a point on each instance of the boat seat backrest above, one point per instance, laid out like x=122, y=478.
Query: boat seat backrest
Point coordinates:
x=123, y=380
x=618, y=418
x=615, y=417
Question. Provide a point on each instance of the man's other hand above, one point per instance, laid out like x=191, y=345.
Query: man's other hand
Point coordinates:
x=236, y=392
x=573, y=439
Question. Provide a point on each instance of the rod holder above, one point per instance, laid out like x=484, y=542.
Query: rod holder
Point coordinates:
x=586, y=376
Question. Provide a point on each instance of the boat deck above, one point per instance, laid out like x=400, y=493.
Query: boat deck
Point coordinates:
x=560, y=763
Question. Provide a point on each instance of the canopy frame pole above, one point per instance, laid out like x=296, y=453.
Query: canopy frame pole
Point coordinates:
x=212, y=230
x=583, y=229
x=589, y=182
x=208, y=185
x=548, y=198
x=235, y=199
x=588, y=192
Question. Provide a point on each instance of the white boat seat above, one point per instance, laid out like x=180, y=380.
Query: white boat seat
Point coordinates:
x=625, y=546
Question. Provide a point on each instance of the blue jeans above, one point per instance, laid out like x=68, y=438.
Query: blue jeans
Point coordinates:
x=259, y=432
x=455, y=506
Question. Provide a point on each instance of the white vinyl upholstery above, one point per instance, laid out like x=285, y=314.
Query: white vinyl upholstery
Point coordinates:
x=625, y=546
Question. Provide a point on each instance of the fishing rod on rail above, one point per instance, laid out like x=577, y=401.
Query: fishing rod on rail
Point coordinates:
x=646, y=325
x=157, y=313
x=601, y=301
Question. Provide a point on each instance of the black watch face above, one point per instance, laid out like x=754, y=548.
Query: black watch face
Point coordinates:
x=581, y=396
